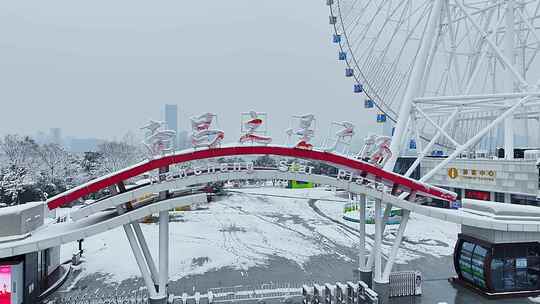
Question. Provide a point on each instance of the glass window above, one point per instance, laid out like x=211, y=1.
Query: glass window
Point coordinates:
x=465, y=261
x=471, y=263
x=497, y=274
x=478, y=258
x=499, y=197
x=516, y=268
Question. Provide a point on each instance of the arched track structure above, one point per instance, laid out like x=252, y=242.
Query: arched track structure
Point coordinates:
x=388, y=178
x=122, y=207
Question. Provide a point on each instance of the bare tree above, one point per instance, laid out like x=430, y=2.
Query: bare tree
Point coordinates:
x=17, y=165
x=19, y=152
x=117, y=155
x=55, y=161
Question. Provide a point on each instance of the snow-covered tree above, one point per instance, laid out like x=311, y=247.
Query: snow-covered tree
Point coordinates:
x=117, y=155
x=17, y=166
x=54, y=160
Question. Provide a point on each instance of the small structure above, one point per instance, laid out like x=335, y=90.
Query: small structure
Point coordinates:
x=26, y=276
x=500, y=262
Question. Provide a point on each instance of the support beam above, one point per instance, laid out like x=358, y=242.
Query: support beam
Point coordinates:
x=163, y=252
x=362, y=229
x=414, y=84
x=439, y=128
x=366, y=274
x=140, y=261
x=474, y=139
x=395, y=246
x=431, y=143
x=146, y=252
x=387, y=210
x=378, y=240
x=509, y=38
x=502, y=57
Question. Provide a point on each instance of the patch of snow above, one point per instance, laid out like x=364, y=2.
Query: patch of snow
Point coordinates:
x=245, y=230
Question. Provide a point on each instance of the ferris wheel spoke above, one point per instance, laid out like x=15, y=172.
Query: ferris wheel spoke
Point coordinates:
x=467, y=54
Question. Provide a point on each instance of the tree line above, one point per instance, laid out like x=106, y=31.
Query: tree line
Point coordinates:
x=32, y=172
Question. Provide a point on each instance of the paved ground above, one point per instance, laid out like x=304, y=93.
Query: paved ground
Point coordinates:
x=319, y=268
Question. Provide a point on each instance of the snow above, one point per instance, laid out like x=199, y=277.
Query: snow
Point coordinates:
x=16, y=209
x=246, y=230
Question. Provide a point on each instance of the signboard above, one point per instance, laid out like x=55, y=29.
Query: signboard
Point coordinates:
x=472, y=175
x=5, y=284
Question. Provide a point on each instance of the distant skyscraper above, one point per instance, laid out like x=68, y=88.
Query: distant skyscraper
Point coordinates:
x=171, y=121
x=56, y=136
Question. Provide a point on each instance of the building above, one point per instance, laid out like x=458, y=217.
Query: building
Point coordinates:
x=499, y=262
x=171, y=121
x=55, y=136
x=28, y=277
x=81, y=145
x=183, y=140
x=498, y=180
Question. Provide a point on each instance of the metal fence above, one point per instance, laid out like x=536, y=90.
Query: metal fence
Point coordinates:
x=215, y=295
x=405, y=283
x=402, y=283
x=136, y=297
x=339, y=293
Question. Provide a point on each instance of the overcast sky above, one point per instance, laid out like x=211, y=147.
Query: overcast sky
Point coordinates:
x=101, y=68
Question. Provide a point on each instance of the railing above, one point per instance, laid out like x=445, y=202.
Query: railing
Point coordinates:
x=136, y=297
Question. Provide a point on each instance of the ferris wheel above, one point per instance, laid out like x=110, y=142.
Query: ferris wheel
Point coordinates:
x=445, y=70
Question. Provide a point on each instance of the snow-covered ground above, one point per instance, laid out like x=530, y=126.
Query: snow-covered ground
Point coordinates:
x=244, y=230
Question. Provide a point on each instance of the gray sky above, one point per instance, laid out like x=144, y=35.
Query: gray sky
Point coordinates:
x=100, y=68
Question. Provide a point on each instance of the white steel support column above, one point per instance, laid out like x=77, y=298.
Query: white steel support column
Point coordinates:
x=387, y=210
x=362, y=228
x=146, y=252
x=431, y=143
x=395, y=246
x=378, y=241
x=163, y=252
x=509, y=38
x=414, y=84
x=137, y=253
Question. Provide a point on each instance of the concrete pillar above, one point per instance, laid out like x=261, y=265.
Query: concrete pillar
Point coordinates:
x=364, y=270
x=161, y=300
x=377, y=256
x=139, y=258
x=366, y=276
x=507, y=198
x=146, y=252
x=163, y=252
x=383, y=291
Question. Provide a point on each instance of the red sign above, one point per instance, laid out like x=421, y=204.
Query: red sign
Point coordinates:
x=5, y=284
x=478, y=195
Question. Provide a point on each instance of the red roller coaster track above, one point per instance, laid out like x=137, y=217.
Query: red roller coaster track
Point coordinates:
x=386, y=177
